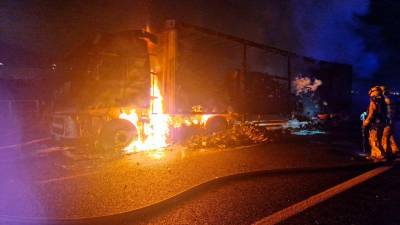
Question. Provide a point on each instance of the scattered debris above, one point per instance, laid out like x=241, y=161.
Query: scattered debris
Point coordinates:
x=305, y=128
x=243, y=134
x=308, y=132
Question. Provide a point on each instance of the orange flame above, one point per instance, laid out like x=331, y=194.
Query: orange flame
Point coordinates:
x=153, y=134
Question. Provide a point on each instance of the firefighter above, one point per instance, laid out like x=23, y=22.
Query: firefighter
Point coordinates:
x=376, y=121
x=388, y=137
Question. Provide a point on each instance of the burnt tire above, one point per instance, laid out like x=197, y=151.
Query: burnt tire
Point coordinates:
x=117, y=133
x=216, y=124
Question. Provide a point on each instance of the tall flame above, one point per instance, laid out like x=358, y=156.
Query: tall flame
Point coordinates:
x=153, y=133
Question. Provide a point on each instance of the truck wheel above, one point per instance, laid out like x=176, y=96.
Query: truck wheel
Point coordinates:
x=216, y=124
x=117, y=133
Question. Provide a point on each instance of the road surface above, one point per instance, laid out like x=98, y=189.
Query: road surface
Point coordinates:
x=51, y=181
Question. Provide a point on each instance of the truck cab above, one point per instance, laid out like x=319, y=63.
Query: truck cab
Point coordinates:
x=106, y=75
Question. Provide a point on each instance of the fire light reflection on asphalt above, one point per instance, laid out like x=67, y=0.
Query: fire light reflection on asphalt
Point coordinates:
x=156, y=154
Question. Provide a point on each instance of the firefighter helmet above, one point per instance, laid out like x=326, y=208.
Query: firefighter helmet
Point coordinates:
x=375, y=91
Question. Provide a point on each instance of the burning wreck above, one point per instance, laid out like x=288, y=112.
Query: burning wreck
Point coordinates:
x=138, y=90
x=120, y=93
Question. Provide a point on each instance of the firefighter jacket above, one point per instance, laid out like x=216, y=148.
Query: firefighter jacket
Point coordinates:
x=377, y=114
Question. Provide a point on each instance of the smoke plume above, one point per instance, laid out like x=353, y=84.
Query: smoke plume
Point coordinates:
x=327, y=30
x=304, y=85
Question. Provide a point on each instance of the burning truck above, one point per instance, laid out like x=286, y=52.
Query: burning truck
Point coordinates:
x=138, y=90
x=120, y=92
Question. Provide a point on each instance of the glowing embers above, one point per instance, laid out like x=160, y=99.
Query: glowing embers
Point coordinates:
x=190, y=120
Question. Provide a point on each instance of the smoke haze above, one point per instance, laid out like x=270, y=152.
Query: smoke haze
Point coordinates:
x=324, y=30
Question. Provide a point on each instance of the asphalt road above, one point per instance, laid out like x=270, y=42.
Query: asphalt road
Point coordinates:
x=73, y=182
x=377, y=201
x=248, y=200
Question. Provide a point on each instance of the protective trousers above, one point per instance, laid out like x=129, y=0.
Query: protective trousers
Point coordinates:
x=388, y=140
x=375, y=137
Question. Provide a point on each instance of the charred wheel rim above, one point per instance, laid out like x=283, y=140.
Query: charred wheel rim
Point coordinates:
x=216, y=124
x=117, y=133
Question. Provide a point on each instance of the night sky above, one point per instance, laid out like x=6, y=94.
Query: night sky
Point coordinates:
x=359, y=32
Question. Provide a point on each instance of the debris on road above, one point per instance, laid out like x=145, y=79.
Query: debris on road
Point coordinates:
x=238, y=135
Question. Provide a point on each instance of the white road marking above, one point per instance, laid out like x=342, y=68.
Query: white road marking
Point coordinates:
x=53, y=149
x=25, y=144
x=57, y=179
x=301, y=206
